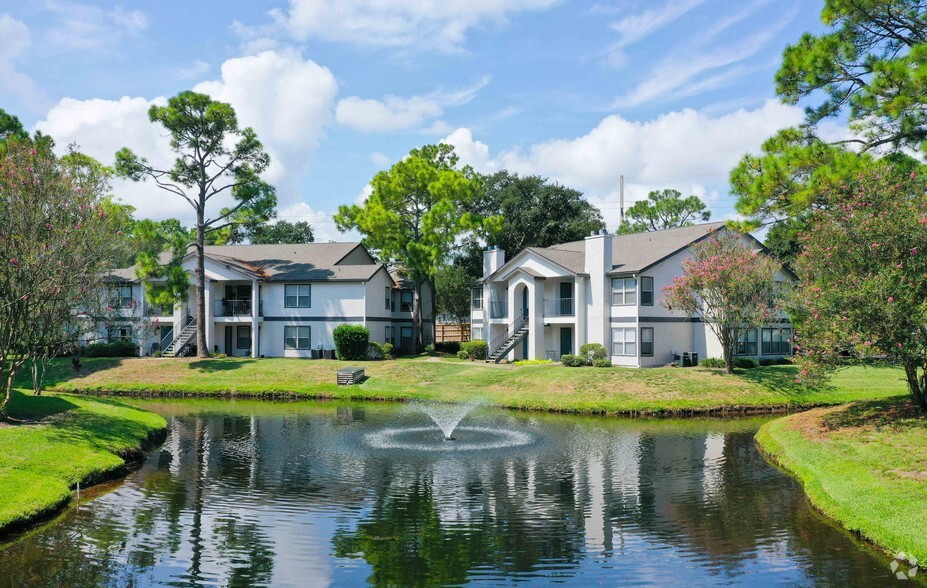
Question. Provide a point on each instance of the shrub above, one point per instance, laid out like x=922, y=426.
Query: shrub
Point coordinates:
x=351, y=342
x=121, y=348
x=451, y=347
x=534, y=362
x=463, y=354
x=712, y=362
x=475, y=349
x=156, y=354
x=601, y=363
x=374, y=351
x=775, y=361
x=389, y=352
x=572, y=360
x=590, y=352
x=217, y=355
x=746, y=362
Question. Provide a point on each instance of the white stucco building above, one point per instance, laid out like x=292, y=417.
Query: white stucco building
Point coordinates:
x=276, y=301
x=546, y=302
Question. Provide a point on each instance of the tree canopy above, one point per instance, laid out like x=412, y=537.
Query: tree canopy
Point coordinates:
x=417, y=211
x=215, y=157
x=272, y=233
x=664, y=209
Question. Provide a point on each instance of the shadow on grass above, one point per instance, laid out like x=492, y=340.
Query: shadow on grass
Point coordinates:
x=219, y=365
x=60, y=370
x=780, y=379
x=29, y=407
x=898, y=412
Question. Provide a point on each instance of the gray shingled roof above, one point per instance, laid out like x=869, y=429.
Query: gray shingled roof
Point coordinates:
x=309, y=262
x=630, y=253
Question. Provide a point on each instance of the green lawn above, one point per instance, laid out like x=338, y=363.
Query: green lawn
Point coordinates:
x=545, y=387
x=864, y=465
x=65, y=439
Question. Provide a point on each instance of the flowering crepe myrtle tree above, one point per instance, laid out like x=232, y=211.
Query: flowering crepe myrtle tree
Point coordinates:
x=56, y=243
x=727, y=284
x=863, y=272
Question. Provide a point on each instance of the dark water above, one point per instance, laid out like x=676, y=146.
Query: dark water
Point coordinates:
x=247, y=494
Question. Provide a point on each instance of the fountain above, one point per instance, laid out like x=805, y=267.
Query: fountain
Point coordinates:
x=447, y=418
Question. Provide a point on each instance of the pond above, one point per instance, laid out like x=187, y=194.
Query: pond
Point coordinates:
x=320, y=494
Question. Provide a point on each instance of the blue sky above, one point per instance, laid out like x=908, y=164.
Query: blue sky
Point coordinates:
x=669, y=93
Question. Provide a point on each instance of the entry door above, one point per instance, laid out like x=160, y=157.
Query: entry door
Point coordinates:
x=566, y=341
x=229, y=342
x=524, y=302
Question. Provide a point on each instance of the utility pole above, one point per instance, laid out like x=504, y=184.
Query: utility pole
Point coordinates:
x=621, y=201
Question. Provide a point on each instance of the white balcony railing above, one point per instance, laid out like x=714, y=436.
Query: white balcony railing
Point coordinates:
x=498, y=309
x=554, y=307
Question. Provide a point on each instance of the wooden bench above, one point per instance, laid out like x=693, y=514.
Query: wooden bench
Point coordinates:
x=350, y=376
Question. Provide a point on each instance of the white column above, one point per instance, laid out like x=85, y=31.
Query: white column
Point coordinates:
x=580, y=297
x=209, y=317
x=514, y=312
x=536, y=316
x=255, y=317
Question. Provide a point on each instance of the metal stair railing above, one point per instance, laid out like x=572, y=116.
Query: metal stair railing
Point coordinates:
x=183, y=338
x=500, y=340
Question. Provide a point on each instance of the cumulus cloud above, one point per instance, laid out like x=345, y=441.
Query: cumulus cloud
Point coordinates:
x=14, y=40
x=393, y=113
x=687, y=150
x=443, y=24
x=286, y=99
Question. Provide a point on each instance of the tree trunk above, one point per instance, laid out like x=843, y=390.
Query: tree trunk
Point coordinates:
x=417, y=318
x=201, y=326
x=916, y=385
x=727, y=349
x=8, y=375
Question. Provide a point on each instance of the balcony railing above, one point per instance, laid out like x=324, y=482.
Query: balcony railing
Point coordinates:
x=233, y=308
x=559, y=307
x=498, y=309
x=159, y=311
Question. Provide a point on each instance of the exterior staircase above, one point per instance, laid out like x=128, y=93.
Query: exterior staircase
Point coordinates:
x=504, y=342
x=182, y=340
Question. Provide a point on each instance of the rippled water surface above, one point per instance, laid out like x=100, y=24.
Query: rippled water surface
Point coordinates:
x=318, y=494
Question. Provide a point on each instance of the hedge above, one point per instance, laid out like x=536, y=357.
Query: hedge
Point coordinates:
x=351, y=342
x=121, y=348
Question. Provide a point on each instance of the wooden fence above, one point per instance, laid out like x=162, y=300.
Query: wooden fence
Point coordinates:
x=447, y=332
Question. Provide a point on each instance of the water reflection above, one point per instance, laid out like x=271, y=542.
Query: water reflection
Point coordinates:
x=251, y=495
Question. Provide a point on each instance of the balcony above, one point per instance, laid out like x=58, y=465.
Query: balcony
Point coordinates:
x=226, y=308
x=153, y=311
x=554, y=307
x=498, y=309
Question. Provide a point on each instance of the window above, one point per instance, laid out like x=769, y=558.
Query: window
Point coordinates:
x=389, y=298
x=297, y=337
x=746, y=345
x=405, y=337
x=646, y=341
x=777, y=342
x=476, y=298
x=298, y=296
x=243, y=337
x=120, y=332
x=624, y=291
x=624, y=341
x=405, y=301
x=388, y=336
x=122, y=295
x=646, y=291
x=477, y=334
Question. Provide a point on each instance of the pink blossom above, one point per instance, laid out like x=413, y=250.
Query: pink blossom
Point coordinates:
x=899, y=345
x=891, y=298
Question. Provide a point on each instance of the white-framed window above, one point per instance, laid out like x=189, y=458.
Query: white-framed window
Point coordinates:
x=122, y=295
x=120, y=332
x=624, y=291
x=243, y=337
x=389, y=298
x=777, y=341
x=477, y=334
x=405, y=337
x=297, y=296
x=646, y=291
x=746, y=345
x=624, y=341
x=297, y=337
x=476, y=298
x=646, y=341
x=405, y=301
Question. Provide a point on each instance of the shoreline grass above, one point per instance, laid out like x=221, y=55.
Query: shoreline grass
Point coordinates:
x=658, y=391
x=863, y=465
x=64, y=440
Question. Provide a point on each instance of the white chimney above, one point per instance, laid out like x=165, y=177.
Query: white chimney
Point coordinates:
x=598, y=264
x=493, y=259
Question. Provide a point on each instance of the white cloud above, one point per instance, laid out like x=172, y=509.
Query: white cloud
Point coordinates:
x=639, y=26
x=14, y=40
x=287, y=100
x=323, y=227
x=380, y=159
x=85, y=27
x=197, y=69
x=394, y=112
x=443, y=24
x=686, y=150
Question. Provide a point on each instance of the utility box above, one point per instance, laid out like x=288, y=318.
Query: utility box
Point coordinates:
x=350, y=376
x=686, y=359
x=695, y=359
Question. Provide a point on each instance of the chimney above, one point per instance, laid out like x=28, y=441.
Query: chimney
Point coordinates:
x=598, y=253
x=598, y=309
x=493, y=259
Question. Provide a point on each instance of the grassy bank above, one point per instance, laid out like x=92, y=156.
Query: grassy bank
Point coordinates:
x=545, y=387
x=864, y=465
x=64, y=439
